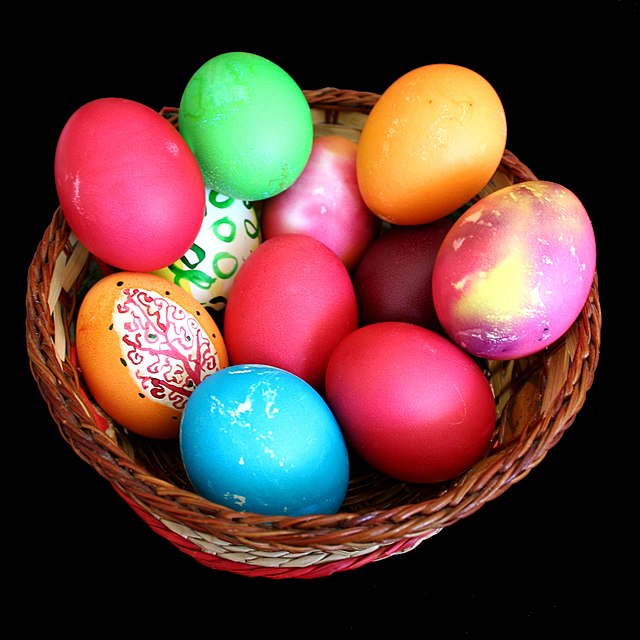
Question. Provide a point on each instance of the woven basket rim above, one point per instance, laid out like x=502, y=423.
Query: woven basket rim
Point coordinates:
x=358, y=536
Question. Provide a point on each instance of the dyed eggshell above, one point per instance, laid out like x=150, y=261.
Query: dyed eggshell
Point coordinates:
x=248, y=124
x=393, y=279
x=410, y=402
x=515, y=270
x=325, y=202
x=290, y=304
x=230, y=232
x=257, y=438
x=129, y=186
x=143, y=346
x=431, y=142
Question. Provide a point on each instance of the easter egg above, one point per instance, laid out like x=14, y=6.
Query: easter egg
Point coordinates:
x=325, y=202
x=260, y=439
x=432, y=141
x=393, y=278
x=410, y=402
x=248, y=123
x=230, y=232
x=129, y=185
x=291, y=303
x=143, y=346
x=515, y=270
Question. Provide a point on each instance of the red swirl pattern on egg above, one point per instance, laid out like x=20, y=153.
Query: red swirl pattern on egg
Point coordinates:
x=143, y=345
x=167, y=351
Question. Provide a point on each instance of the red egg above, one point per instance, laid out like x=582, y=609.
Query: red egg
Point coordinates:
x=129, y=186
x=410, y=402
x=289, y=306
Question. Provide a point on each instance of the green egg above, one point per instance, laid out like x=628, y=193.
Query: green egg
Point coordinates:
x=248, y=124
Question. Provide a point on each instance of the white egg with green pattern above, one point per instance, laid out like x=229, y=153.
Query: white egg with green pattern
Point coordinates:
x=230, y=232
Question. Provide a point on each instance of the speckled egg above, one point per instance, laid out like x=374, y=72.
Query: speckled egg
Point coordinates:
x=515, y=270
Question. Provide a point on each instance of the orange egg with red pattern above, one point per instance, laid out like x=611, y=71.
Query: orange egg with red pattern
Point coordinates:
x=143, y=345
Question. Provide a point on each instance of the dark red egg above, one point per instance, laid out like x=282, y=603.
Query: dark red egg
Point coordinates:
x=393, y=280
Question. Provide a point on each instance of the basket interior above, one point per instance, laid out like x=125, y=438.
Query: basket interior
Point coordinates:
x=537, y=398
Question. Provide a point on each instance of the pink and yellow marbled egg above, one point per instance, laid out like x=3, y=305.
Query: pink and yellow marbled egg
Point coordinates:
x=515, y=270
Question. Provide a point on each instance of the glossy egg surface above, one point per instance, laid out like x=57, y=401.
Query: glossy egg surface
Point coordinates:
x=258, y=438
x=410, y=402
x=291, y=303
x=248, y=124
x=432, y=141
x=325, y=202
x=129, y=186
x=393, y=278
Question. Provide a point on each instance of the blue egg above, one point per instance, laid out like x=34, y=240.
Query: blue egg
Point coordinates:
x=257, y=438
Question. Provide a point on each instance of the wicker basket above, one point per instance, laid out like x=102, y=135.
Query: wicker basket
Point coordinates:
x=537, y=398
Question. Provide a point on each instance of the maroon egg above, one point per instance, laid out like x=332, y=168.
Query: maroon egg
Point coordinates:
x=393, y=280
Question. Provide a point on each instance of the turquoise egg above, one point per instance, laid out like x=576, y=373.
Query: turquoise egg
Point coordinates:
x=258, y=438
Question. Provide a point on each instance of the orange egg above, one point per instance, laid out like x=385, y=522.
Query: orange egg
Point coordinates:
x=431, y=142
x=143, y=345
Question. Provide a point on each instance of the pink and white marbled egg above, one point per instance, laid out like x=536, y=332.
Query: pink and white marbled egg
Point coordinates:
x=515, y=270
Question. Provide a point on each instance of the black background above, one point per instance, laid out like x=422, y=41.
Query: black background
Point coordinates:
x=553, y=555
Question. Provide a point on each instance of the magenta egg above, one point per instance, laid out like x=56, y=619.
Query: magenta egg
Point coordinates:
x=290, y=304
x=515, y=270
x=410, y=402
x=325, y=202
x=129, y=185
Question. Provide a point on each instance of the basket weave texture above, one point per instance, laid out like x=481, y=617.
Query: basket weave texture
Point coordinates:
x=537, y=399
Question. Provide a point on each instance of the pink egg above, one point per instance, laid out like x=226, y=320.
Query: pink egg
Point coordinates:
x=129, y=186
x=290, y=304
x=410, y=402
x=325, y=202
x=514, y=272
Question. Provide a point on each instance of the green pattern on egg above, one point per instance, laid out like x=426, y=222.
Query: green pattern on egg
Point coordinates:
x=230, y=232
